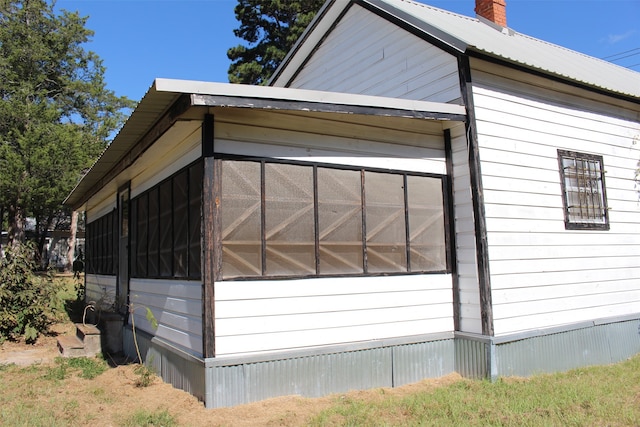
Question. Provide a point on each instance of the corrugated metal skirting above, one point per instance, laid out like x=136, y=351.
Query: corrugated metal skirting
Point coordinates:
x=471, y=358
x=313, y=375
x=596, y=345
x=221, y=383
x=184, y=373
x=322, y=374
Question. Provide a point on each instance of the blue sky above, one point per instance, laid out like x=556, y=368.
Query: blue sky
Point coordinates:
x=139, y=40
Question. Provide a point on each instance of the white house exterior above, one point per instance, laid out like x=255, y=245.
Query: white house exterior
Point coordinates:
x=441, y=194
x=524, y=268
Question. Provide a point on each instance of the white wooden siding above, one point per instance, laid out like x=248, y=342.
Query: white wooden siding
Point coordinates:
x=541, y=274
x=259, y=316
x=386, y=62
x=100, y=290
x=418, y=148
x=100, y=205
x=176, y=305
x=470, y=320
x=177, y=148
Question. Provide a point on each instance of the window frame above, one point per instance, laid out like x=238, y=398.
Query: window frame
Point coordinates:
x=444, y=179
x=570, y=220
x=146, y=235
x=102, y=243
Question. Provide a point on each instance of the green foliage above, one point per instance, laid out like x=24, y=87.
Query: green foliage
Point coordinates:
x=151, y=318
x=149, y=419
x=271, y=27
x=28, y=303
x=90, y=367
x=56, y=114
x=86, y=368
x=57, y=372
x=145, y=374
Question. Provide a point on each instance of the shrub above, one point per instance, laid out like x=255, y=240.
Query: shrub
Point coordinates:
x=28, y=302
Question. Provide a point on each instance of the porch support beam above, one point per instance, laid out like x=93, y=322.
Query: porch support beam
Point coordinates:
x=211, y=232
x=477, y=196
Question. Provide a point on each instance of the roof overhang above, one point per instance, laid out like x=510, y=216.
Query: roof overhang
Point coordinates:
x=168, y=101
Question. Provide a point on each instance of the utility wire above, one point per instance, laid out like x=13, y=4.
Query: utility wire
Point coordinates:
x=637, y=50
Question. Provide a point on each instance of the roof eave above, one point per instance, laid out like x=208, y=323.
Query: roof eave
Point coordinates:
x=472, y=51
x=166, y=100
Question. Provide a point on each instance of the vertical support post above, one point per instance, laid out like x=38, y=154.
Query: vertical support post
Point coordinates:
x=477, y=197
x=450, y=226
x=211, y=226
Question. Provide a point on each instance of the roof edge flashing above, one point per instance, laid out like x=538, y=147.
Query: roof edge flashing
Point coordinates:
x=504, y=30
x=386, y=10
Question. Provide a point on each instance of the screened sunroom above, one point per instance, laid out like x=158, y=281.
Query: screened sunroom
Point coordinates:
x=266, y=225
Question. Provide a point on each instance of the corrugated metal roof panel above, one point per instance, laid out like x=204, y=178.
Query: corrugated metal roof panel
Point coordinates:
x=484, y=37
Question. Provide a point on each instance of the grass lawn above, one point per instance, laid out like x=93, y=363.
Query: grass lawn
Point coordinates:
x=594, y=396
x=80, y=392
x=75, y=393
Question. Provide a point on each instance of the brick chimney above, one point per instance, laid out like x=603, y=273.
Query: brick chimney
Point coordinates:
x=493, y=10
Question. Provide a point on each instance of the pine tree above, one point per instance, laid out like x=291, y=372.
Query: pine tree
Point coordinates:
x=271, y=27
x=56, y=114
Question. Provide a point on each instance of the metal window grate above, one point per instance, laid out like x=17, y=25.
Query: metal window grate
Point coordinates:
x=583, y=185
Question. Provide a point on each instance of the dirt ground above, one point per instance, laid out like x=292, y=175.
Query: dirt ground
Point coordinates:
x=119, y=383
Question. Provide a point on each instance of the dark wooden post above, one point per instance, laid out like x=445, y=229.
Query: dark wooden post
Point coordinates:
x=450, y=227
x=211, y=228
x=477, y=198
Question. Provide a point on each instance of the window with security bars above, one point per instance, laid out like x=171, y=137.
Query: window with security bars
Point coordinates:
x=301, y=220
x=584, y=191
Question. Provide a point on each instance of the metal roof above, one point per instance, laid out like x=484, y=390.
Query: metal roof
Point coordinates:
x=164, y=93
x=466, y=35
x=486, y=37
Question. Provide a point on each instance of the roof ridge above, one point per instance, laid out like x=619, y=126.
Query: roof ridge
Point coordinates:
x=437, y=9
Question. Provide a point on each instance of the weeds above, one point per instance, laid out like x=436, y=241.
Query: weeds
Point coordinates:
x=146, y=418
x=145, y=374
x=88, y=368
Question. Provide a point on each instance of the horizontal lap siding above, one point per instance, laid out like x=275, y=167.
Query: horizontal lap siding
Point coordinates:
x=176, y=305
x=100, y=205
x=327, y=141
x=100, y=290
x=465, y=235
x=386, y=62
x=176, y=149
x=541, y=274
x=281, y=315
